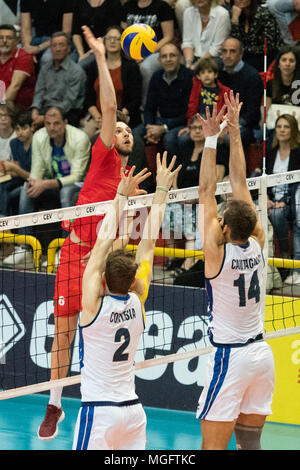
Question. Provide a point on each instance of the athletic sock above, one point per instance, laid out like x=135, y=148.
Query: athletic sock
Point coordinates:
x=55, y=396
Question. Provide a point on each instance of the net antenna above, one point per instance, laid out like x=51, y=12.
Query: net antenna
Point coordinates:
x=263, y=195
x=16, y=378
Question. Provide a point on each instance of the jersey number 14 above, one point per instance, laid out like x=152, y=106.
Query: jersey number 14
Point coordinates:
x=253, y=291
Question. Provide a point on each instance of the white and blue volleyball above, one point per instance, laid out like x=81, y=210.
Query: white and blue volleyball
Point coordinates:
x=138, y=41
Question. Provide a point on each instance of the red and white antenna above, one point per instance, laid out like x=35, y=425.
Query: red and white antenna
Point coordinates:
x=265, y=108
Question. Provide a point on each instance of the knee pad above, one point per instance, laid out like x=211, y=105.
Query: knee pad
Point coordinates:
x=248, y=437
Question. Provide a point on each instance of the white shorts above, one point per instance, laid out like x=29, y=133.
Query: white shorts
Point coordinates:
x=110, y=428
x=238, y=380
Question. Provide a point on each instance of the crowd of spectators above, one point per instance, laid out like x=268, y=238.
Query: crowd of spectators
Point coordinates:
x=50, y=113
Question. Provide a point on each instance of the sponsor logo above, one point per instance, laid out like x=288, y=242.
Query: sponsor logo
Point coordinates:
x=11, y=327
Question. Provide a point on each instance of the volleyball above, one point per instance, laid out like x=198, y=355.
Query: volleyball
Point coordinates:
x=138, y=41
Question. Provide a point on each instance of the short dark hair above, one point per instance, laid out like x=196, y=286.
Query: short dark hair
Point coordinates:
x=58, y=34
x=240, y=43
x=10, y=109
x=241, y=218
x=122, y=117
x=9, y=27
x=120, y=271
x=206, y=63
x=24, y=119
x=117, y=27
x=61, y=111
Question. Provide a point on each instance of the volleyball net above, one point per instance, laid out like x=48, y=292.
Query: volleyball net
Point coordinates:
x=176, y=308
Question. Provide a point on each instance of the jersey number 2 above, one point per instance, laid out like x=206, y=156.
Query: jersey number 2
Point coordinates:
x=119, y=355
x=254, y=289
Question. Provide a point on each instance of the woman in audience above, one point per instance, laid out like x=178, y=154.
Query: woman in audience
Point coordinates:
x=283, y=203
x=285, y=71
x=205, y=27
x=98, y=15
x=251, y=23
x=280, y=91
x=126, y=78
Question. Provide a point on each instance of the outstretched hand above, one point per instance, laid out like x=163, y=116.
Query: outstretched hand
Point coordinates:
x=95, y=44
x=128, y=185
x=164, y=174
x=211, y=125
x=233, y=109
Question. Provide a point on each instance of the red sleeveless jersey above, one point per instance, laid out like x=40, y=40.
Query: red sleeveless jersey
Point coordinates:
x=101, y=184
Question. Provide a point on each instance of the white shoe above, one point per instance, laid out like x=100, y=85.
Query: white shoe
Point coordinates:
x=293, y=279
x=20, y=258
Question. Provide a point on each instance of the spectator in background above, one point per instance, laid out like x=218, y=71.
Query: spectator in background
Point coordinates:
x=286, y=70
x=7, y=132
x=280, y=89
x=167, y=100
x=283, y=207
x=181, y=219
x=206, y=91
x=251, y=24
x=205, y=26
x=60, y=157
x=18, y=168
x=285, y=12
x=244, y=79
x=98, y=15
x=126, y=77
x=60, y=82
x=16, y=69
x=39, y=20
x=160, y=16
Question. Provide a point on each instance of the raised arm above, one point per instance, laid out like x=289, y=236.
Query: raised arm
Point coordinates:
x=108, y=100
x=209, y=228
x=145, y=252
x=237, y=161
x=92, y=279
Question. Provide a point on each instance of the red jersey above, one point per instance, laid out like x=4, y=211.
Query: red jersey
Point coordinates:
x=101, y=184
x=23, y=62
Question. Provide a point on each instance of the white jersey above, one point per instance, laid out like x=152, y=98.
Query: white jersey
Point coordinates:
x=107, y=350
x=234, y=295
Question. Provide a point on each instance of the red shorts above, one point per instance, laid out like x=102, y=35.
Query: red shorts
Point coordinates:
x=68, y=280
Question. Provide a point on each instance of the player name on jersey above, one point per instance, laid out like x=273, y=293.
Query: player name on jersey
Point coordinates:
x=119, y=317
x=249, y=263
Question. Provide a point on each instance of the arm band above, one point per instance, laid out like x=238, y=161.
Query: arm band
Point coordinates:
x=212, y=141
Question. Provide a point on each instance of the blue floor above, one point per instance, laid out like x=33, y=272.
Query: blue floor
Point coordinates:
x=166, y=430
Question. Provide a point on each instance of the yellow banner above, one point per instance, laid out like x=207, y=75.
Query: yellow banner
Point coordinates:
x=282, y=313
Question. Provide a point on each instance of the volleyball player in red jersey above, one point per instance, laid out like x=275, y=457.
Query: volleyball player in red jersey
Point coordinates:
x=109, y=153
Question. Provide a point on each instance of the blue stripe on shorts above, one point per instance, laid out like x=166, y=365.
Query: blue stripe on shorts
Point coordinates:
x=85, y=426
x=220, y=369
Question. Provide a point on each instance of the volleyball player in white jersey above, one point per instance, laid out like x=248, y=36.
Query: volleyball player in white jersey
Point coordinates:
x=239, y=385
x=114, y=290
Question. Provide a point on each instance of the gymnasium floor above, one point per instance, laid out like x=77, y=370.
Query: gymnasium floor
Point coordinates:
x=167, y=430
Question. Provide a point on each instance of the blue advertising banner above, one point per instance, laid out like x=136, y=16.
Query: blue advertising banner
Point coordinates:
x=176, y=322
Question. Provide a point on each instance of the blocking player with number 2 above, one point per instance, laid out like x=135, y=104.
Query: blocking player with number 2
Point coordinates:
x=114, y=290
x=239, y=385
